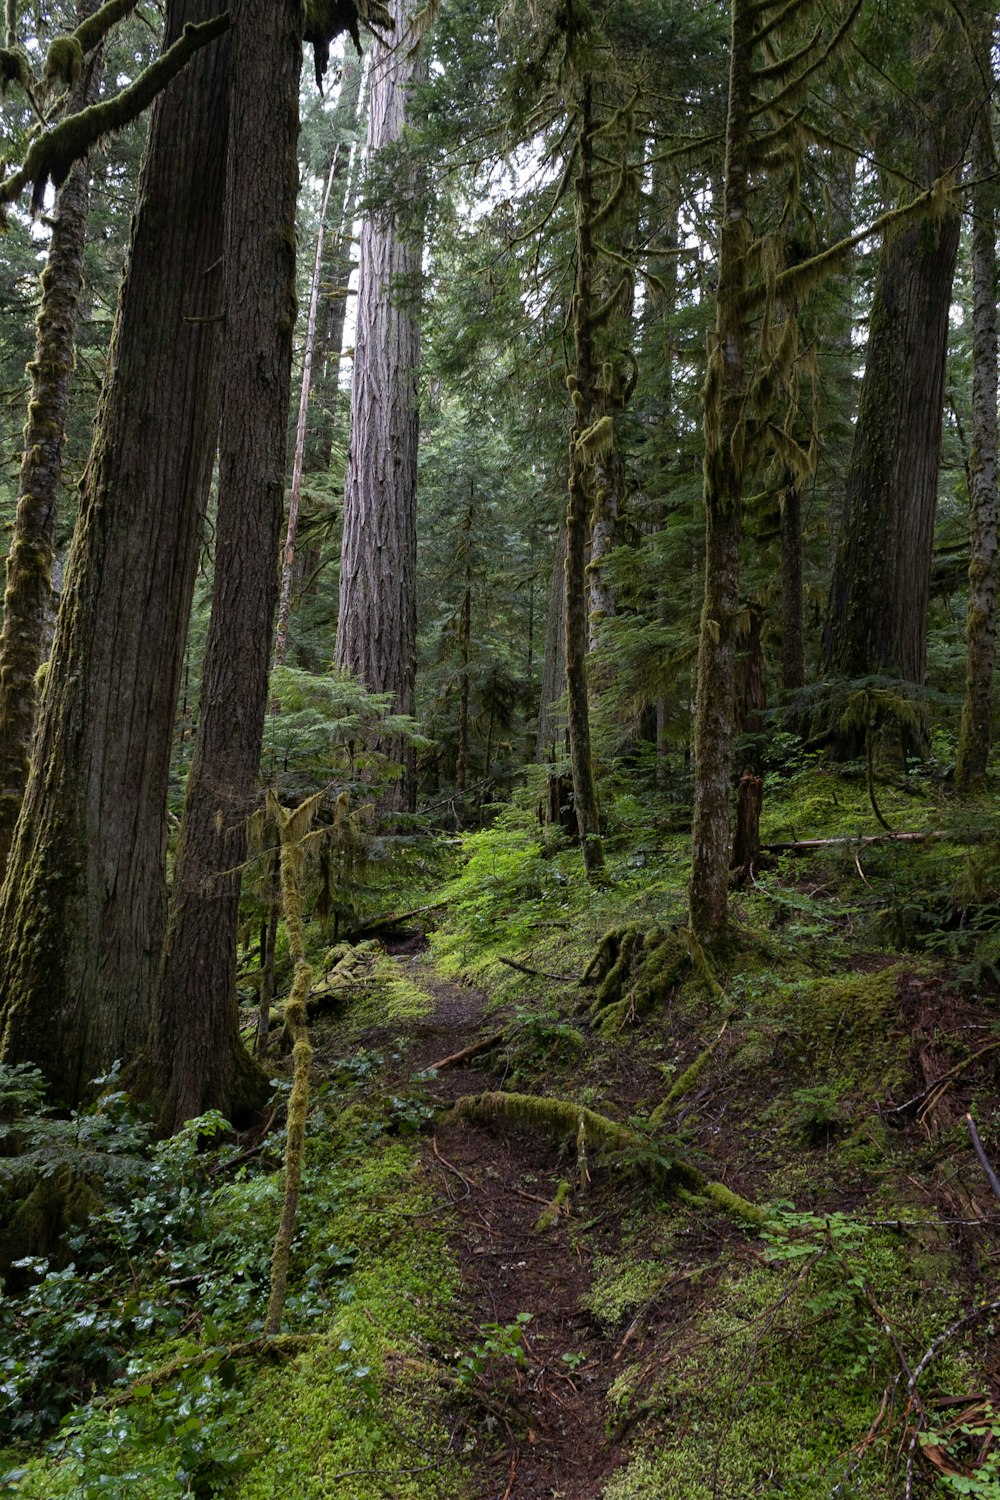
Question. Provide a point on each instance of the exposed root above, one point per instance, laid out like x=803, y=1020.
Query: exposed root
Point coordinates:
x=685, y=1083
x=557, y=1209
x=566, y=1121
x=638, y=968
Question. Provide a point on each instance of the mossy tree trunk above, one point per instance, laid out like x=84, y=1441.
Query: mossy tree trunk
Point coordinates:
x=377, y=626
x=582, y=385
x=974, y=735
x=83, y=907
x=615, y=284
x=793, y=668
x=199, y=1061
x=753, y=360
x=28, y=594
x=549, y=741
x=723, y=496
x=877, y=620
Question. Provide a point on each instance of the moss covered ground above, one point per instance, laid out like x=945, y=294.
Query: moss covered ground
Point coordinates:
x=482, y=1305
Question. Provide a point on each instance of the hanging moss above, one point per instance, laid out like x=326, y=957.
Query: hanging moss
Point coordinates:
x=14, y=68
x=51, y=154
x=63, y=62
x=327, y=19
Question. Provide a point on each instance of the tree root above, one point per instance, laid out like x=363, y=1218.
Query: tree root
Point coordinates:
x=685, y=1083
x=284, y=1344
x=566, y=1121
x=637, y=968
x=556, y=1210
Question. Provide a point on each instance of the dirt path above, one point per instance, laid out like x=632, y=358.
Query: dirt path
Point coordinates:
x=542, y=1429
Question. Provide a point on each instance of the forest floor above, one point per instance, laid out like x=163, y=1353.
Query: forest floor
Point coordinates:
x=677, y=1230
x=548, y=1434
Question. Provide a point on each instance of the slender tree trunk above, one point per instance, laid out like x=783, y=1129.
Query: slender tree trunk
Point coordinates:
x=198, y=1056
x=974, y=735
x=551, y=725
x=27, y=601
x=376, y=633
x=295, y=497
x=793, y=656
x=577, y=510
x=333, y=207
x=464, y=646
x=330, y=410
x=724, y=402
x=83, y=905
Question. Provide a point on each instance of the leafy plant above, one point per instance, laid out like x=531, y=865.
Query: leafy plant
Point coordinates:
x=503, y=1344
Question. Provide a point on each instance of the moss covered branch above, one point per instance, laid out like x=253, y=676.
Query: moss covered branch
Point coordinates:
x=293, y=827
x=52, y=154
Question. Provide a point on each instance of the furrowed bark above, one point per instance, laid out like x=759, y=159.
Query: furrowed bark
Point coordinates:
x=198, y=1055
x=83, y=905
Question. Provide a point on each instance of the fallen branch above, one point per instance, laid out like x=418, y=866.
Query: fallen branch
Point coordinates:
x=394, y=920
x=466, y=1053
x=938, y=1084
x=806, y=846
x=512, y=963
x=977, y=1146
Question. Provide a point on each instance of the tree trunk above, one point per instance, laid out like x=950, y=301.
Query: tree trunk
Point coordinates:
x=464, y=646
x=724, y=404
x=551, y=725
x=977, y=711
x=27, y=601
x=376, y=632
x=881, y=580
x=298, y=458
x=198, y=1056
x=323, y=341
x=577, y=510
x=793, y=657
x=336, y=275
x=83, y=906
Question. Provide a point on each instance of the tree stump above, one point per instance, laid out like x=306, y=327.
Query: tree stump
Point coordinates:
x=746, y=840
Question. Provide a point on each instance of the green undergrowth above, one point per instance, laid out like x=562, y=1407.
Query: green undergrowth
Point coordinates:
x=520, y=894
x=750, y=1365
x=151, y=1381
x=777, y=1381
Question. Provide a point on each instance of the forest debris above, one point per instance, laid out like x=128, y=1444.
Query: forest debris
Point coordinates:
x=485, y=1044
x=512, y=963
x=977, y=1146
x=396, y=919
x=567, y=1121
x=806, y=846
